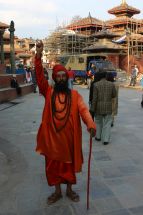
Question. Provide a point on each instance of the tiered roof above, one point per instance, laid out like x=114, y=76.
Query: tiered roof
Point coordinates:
x=105, y=33
x=137, y=37
x=123, y=20
x=104, y=42
x=124, y=10
x=85, y=22
x=3, y=25
x=108, y=45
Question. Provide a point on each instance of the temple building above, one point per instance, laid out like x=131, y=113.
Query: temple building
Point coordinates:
x=125, y=24
x=10, y=53
x=3, y=27
x=122, y=42
x=86, y=26
x=104, y=46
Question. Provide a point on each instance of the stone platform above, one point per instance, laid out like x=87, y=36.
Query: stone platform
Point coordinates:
x=7, y=93
x=116, y=181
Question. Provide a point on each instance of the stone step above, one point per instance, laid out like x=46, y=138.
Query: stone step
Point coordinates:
x=5, y=79
x=8, y=93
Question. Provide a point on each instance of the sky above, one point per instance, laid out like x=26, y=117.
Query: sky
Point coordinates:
x=38, y=18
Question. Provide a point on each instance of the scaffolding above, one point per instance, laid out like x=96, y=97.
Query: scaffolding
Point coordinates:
x=63, y=41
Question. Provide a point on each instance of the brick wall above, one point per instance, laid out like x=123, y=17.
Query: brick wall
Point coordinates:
x=2, y=68
x=132, y=61
x=114, y=59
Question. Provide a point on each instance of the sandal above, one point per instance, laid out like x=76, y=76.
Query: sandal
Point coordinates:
x=72, y=196
x=54, y=197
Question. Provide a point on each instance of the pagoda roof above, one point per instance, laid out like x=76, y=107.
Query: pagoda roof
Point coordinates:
x=137, y=37
x=104, y=33
x=86, y=22
x=100, y=45
x=3, y=25
x=124, y=9
x=123, y=19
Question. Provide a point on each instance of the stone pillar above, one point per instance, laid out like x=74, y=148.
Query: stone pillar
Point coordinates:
x=12, y=52
x=1, y=46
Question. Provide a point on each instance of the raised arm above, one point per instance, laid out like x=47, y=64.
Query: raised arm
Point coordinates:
x=41, y=81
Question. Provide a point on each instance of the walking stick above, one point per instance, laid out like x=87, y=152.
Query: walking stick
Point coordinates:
x=88, y=178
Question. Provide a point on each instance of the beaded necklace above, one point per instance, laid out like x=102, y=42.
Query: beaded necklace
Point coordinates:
x=66, y=107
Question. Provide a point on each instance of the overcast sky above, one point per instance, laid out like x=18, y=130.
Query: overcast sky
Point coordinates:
x=37, y=18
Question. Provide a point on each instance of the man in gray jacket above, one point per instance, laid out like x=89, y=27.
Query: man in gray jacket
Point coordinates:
x=103, y=94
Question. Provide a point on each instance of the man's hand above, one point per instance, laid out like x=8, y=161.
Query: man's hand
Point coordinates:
x=39, y=48
x=92, y=132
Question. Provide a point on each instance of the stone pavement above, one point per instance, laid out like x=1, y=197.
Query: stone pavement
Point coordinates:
x=116, y=169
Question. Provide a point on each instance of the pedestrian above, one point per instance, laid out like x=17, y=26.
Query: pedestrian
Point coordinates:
x=141, y=81
x=59, y=137
x=96, y=79
x=134, y=74
x=14, y=84
x=28, y=75
x=33, y=76
x=71, y=78
x=103, y=93
x=111, y=77
x=89, y=78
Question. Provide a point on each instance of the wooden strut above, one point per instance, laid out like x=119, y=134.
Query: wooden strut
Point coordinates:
x=88, y=177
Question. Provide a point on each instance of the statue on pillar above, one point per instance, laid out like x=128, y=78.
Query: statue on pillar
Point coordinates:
x=12, y=51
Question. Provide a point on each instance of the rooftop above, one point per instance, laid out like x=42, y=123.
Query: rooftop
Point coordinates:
x=3, y=25
x=124, y=9
x=88, y=21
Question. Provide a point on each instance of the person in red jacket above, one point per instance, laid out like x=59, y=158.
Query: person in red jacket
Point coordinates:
x=59, y=137
x=71, y=76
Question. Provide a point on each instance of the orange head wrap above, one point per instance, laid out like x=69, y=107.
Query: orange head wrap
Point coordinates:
x=58, y=68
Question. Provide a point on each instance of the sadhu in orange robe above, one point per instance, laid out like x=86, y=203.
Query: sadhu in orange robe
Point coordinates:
x=62, y=149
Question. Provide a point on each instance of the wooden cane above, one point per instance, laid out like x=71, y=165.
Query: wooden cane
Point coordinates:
x=88, y=177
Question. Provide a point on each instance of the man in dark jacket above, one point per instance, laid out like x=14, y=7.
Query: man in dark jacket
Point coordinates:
x=103, y=93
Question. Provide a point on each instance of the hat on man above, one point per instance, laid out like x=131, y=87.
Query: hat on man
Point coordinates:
x=59, y=68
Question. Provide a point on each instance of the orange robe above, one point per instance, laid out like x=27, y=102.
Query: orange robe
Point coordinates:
x=64, y=146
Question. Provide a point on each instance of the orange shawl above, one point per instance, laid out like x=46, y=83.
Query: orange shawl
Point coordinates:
x=57, y=146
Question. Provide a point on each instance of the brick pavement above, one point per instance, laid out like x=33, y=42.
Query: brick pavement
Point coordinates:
x=116, y=169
